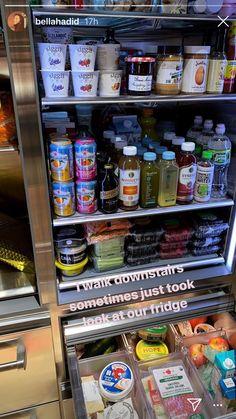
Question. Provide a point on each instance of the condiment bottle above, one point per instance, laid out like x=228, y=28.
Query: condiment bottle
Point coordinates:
x=187, y=173
x=217, y=65
x=168, y=180
x=148, y=124
x=204, y=178
x=230, y=72
x=169, y=70
x=167, y=139
x=195, y=69
x=149, y=181
x=129, y=179
x=108, y=191
x=176, y=145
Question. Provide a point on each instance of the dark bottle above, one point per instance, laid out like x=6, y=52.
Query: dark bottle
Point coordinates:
x=108, y=191
x=109, y=37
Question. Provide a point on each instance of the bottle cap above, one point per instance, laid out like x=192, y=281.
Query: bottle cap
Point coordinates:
x=188, y=146
x=178, y=141
x=141, y=151
x=108, y=134
x=198, y=120
x=148, y=156
x=130, y=151
x=160, y=150
x=168, y=136
x=115, y=139
x=208, y=124
x=207, y=155
x=220, y=128
x=168, y=155
x=119, y=145
x=108, y=166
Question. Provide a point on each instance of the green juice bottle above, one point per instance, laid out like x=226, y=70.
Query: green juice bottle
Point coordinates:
x=168, y=180
x=149, y=181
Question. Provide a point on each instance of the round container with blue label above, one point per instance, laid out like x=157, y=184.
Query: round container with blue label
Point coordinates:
x=116, y=381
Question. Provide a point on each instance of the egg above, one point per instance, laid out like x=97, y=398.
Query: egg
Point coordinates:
x=199, y=76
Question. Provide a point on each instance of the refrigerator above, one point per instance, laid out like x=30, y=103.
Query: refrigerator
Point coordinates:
x=116, y=303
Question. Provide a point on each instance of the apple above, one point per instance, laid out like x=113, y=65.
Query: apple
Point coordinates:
x=196, y=352
x=219, y=344
x=198, y=320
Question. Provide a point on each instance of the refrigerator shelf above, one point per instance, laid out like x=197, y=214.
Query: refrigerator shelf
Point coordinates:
x=72, y=100
x=98, y=216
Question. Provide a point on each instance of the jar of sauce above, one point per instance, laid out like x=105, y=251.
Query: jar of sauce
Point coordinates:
x=139, y=75
x=195, y=69
x=169, y=70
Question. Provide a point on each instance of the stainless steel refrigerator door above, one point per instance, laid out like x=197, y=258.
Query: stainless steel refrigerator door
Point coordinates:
x=27, y=370
x=47, y=411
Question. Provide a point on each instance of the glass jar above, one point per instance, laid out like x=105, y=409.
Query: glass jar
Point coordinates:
x=139, y=75
x=195, y=69
x=169, y=70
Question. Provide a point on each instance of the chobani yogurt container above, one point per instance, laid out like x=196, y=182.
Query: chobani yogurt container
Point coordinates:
x=52, y=56
x=108, y=56
x=116, y=381
x=82, y=57
x=85, y=84
x=56, y=83
x=110, y=82
x=57, y=35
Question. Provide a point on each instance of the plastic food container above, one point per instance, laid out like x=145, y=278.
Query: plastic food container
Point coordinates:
x=72, y=270
x=109, y=247
x=57, y=35
x=108, y=56
x=137, y=260
x=102, y=264
x=110, y=82
x=85, y=83
x=151, y=350
x=56, y=83
x=52, y=56
x=153, y=334
x=139, y=75
x=70, y=246
x=116, y=381
x=168, y=246
x=146, y=235
x=199, y=251
x=141, y=250
x=172, y=254
x=82, y=57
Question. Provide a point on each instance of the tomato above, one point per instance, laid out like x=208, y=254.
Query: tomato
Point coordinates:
x=198, y=320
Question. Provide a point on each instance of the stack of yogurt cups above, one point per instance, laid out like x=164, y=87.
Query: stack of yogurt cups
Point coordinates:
x=82, y=59
x=108, y=65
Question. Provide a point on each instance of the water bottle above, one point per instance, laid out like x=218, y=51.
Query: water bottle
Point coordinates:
x=204, y=138
x=220, y=146
x=194, y=132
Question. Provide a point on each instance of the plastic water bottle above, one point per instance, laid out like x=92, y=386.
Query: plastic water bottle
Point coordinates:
x=220, y=146
x=194, y=132
x=204, y=138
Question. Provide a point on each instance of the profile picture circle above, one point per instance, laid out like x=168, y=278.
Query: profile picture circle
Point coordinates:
x=17, y=21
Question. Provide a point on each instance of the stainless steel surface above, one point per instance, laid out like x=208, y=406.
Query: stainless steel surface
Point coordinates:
x=98, y=216
x=199, y=304
x=36, y=384
x=31, y=320
x=91, y=277
x=68, y=409
x=46, y=411
x=4, y=70
x=20, y=361
x=14, y=283
x=138, y=99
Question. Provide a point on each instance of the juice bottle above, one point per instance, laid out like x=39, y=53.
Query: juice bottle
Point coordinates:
x=108, y=191
x=230, y=72
x=148, y=124
x=168, y=179
x=176, y=145
x=204, y=178
x=149, y=181
x=187, y=163
x=129, y=179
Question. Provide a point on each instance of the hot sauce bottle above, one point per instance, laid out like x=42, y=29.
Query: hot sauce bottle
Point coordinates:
x=187, y=163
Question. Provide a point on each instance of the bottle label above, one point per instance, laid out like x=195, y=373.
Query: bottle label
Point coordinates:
x=215, y=80
x=113, y=193
x=150, y=195
x=129, y=187
x=168, y=183
x=195, y=75
x=187, y=176
x=169, y=72
x=221, y=157
x=140, y=83
x=204, y=178
x=230, y=71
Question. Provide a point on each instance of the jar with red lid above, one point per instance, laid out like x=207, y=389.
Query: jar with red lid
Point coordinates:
x=139, y=75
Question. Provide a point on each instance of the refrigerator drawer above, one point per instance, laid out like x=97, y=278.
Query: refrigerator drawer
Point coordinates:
x=27, y=370
x=47, y=411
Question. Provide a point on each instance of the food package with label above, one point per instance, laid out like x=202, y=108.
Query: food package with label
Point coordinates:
x=176, y=230
x=172, y=254
x=102, y=264
x=7, y=120
x=145, y=234
x=136, y=250
x=208, y=224
x=199, y=251
x=108, y=247
x=171, y=247
x=136, y=260
x=104, y=230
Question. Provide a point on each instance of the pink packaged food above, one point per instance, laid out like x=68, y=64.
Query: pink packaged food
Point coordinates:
x=169, y=247
x=172, y=254
x=178, y=234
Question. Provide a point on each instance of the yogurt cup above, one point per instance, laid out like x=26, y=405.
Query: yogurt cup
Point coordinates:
x=108, y=56
x=85, y=83
x=56, y=83
x=52, y=56
x=116, y=381
x=110, y=82
x=82, y=57
x=57, y=35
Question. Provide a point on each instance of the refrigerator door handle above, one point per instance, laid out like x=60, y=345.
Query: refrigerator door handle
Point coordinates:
x=21, y=358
